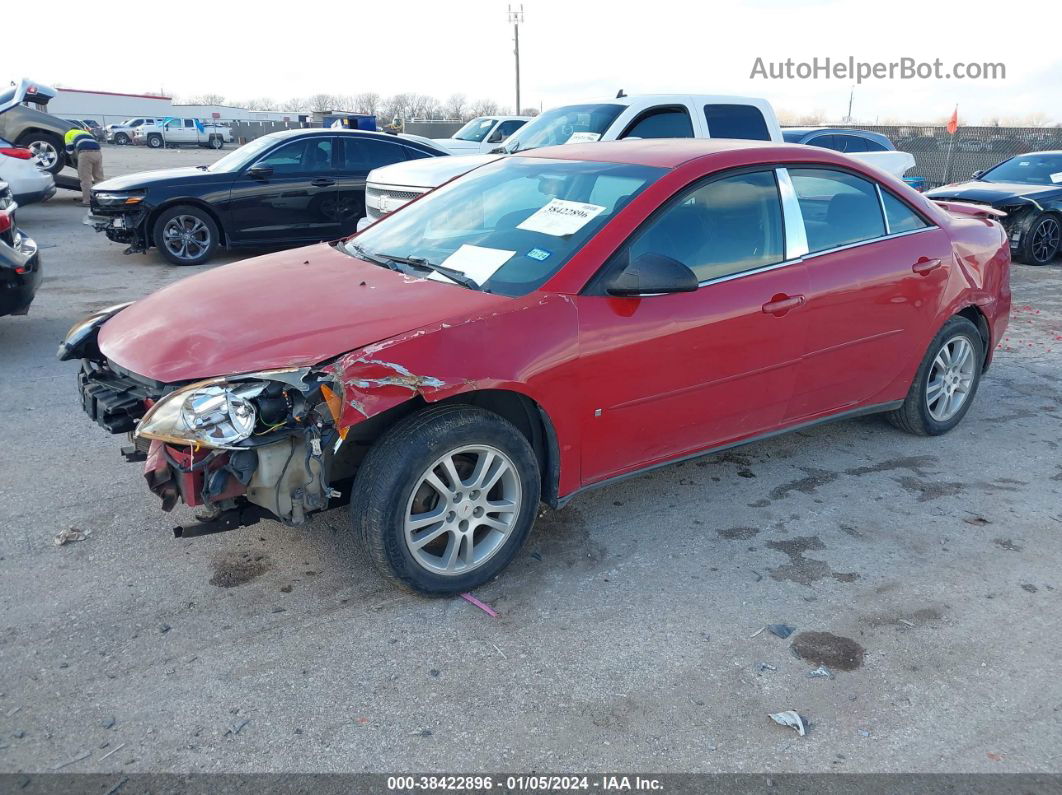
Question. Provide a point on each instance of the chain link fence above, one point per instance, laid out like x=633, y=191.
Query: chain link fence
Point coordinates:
x=941, y=158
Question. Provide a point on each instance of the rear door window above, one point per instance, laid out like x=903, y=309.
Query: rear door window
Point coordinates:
x=364, y=154
x=839, y=208
x=853, y=143
x=736, y=121
x=671, y=122
x=901, y=217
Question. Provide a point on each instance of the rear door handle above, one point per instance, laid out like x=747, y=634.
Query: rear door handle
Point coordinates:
x=925, y=265
x=323, y=182
x=782, y=303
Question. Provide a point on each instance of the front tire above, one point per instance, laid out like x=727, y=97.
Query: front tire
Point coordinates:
x=1042, y=241
x=121, y=139
x=186, y=235
x=445, y=499
x=946, y=382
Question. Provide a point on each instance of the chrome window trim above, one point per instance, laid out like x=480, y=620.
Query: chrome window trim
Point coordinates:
x=796, y=238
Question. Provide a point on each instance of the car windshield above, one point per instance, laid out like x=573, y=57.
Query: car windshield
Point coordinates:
x=508, y=226
x=1027, y=170
x=241, y=157
x=476, y=130
x=570, y=124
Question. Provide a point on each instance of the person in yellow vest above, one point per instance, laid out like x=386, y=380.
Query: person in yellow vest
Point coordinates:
x=89, y=160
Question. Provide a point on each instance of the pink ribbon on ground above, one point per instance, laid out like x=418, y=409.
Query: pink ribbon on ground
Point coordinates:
x=484, y=607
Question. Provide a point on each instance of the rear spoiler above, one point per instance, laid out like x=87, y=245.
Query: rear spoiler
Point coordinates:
x=966, y=210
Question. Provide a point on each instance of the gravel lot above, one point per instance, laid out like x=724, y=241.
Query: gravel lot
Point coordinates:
x=626, y=629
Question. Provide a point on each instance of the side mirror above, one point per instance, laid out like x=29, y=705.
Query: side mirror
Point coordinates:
x=496, y=137
x=977, y=175
x=653, y=274
x=260, y=171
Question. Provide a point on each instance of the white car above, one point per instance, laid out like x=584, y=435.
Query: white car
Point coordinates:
x=18, y=168
x=481, y=134
x=122, y=134
x=645, y=116
x=182, y=132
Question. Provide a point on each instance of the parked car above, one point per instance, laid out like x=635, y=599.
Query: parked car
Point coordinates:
x=20, y=265
x=28, y=182
x=122, y=134
x=287, y=188
x=1028, y=188
x=34, y=128
x=90, y=126
x=545, y=324
x=481, y=134
x=839, y=139
x=645, y=116
x=182, y=132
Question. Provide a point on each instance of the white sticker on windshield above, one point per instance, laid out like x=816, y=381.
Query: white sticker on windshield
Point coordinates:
x=560, y=218
x=583, y=137
x=477, y=262
x=1056, y=177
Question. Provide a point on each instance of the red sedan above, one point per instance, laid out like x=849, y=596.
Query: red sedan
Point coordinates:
x=545, y=324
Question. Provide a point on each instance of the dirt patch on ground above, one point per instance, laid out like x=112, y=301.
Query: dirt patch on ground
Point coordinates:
x=915, y=463
x=238, y=568
x=805, y=485
x=825, y=648
x=929, y=490
x=802, y=569
x=738, y=533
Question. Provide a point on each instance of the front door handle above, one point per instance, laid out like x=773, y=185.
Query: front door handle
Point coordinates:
x=323, y=182
x=925, y=265
x=781, y=304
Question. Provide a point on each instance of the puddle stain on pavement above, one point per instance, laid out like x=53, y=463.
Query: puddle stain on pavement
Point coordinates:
x=801, y=569
x=825, y=648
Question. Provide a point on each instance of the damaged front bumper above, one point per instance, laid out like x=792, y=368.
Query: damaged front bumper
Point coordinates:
x=122, y=227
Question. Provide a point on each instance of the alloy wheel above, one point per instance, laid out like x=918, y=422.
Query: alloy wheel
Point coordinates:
x=186, y=237
x=44, y=153
x=951, y=378
x=462, y=510
x=1046, y=239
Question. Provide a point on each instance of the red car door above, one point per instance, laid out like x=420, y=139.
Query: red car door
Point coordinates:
x=667, y=375
x=875, y=273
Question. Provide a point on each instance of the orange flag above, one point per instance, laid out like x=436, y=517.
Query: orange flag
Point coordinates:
x=953, y=122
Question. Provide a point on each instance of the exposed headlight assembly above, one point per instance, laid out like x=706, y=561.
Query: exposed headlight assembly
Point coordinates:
x=73, y=344
x=217, y=413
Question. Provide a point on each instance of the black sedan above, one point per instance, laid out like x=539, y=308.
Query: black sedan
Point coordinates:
x=1029, y=189
x=287, y=188
x=20, y=267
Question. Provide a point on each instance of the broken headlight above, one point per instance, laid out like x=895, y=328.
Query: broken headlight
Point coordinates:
x=219, y=413
x=73, y=344
x=117, y=198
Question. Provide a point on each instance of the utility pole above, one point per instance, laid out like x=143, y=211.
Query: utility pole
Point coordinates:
x=516, y=17
x=851, y=96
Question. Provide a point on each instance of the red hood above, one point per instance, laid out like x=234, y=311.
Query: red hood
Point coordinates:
x=287, y=309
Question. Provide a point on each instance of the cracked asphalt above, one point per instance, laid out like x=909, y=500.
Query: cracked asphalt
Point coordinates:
x=630, y=628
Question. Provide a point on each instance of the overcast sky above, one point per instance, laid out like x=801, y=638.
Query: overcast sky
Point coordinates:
x=570, y=51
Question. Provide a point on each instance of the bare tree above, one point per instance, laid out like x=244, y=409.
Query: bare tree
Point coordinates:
x=260, y=103
x=205, y=99
x=455, y=106
x=398, y=106
x=366, y=102
x=532, y=112
x=321, y=102
x=295, y=105
x=483, y=107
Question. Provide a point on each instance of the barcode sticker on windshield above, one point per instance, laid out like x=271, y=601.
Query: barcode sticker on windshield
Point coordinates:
x=1056, y=177
x=560, y=218
x=477, y=262
x=583, y=137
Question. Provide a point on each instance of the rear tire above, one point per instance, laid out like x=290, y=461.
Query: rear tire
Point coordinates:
x=429, y=532
x=217, y=143
x=48, y=150
x=946, y=382
x=1042, y=241
x=154, y=141
x=186, y=235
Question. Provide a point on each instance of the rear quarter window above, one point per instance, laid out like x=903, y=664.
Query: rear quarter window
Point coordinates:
x=736, y=121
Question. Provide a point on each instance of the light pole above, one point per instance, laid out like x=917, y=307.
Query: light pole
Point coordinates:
x=516, y=17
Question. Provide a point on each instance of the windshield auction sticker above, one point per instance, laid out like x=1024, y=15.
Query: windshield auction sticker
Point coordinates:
x=583, y=138
x=477, y=262
x=560, y=218
x=1056, y=177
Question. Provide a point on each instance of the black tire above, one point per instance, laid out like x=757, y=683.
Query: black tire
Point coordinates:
x=154, y=141
x=121, y=139
x=1043, y=240
x=385, y=483
x=197, y=254
x=914, y=415
x=52, y=151
x=216, y=142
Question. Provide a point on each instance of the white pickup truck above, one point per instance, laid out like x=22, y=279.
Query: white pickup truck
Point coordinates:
x=643, y=116
x=481, y=134
x=181, y=132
